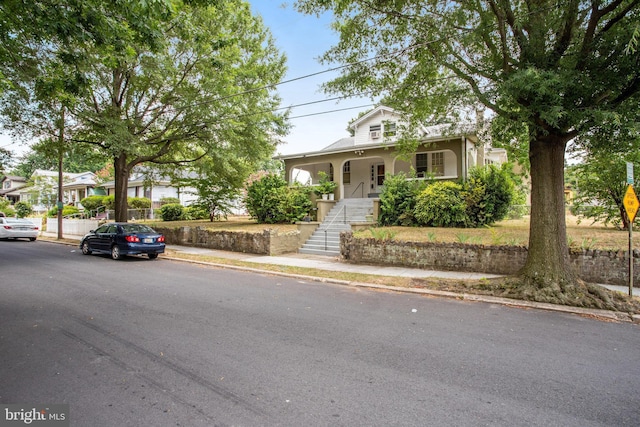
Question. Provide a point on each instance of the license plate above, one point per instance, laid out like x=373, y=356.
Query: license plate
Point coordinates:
x=147, y=240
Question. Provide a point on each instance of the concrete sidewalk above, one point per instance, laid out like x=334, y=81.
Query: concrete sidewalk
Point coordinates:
x=331, y=264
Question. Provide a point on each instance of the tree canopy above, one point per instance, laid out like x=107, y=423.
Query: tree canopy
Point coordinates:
x=165, y=82
x=548, y=71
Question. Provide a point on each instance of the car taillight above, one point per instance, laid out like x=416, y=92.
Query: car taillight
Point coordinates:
x=35, y=228
x=161, y=239
x=132, y=239
x=8, y=227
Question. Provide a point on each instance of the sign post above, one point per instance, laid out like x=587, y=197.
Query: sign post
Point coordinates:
x=631, y=205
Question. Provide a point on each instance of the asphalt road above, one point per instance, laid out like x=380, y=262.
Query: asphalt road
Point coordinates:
x=165, y=343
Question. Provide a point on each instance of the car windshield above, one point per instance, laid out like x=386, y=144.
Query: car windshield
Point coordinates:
x=136, y=228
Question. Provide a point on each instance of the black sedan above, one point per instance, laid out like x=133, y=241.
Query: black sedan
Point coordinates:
x=122, y=238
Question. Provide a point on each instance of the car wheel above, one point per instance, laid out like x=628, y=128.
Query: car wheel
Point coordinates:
x=32, y=239
x=85, y=248
x=153, y=256
x=115, y=252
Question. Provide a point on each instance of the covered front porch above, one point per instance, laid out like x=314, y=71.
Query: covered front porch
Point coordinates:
x=361, y=173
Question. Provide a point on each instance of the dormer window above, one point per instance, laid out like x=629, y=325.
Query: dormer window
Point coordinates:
x=375, y=131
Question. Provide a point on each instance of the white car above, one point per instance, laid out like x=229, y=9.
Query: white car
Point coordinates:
x=18, y=228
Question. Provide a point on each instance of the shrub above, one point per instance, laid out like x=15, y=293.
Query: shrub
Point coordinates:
x=66, y=211
x=269, y=200
x=92, y=203
x=109, y=202
x=194, y=212
x=398, y=200
x=23, y=209
x=295, y=204
x=262, y=197
x=169, y=201
x=441, y=205
x=488, y=194
x=325, y=186
x=172, y=212
x=6, y=208
x=138, y=202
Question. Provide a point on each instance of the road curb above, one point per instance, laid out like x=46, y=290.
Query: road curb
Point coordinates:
x=606, y=315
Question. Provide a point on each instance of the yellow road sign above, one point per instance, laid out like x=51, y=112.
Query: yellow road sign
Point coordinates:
x=631, y=203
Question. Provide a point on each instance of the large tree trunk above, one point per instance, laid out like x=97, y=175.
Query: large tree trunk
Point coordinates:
x=548, y=264
x=121, y=171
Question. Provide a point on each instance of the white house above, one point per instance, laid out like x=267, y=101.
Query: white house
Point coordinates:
x=154, y=189
x=42, y=194
x=359, y=163
x=10, y=186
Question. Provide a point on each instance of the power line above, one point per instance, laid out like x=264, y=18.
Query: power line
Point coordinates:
x=392, y=54
x=331, y=111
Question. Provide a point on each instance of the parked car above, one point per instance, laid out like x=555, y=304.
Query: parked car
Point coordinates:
x=18, y=228
x=123, y=238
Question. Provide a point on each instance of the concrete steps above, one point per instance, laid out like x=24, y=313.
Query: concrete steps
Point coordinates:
x=326, y=239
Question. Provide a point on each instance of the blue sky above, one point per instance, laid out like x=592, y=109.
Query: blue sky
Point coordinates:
x=303, y=39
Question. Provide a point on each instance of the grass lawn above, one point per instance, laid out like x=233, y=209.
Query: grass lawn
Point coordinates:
x=580, y=234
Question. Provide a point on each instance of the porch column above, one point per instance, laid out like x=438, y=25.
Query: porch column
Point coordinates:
x=338, y=178
x=389, y=165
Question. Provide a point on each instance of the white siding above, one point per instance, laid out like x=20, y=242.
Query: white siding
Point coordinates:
x=362, y=136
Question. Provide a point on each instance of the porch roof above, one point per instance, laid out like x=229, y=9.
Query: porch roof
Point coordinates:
x=14, y=191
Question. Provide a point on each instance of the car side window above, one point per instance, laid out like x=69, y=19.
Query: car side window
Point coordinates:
x=113, y=229
x=102, y=229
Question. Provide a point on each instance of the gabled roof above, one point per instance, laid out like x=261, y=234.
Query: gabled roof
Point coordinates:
x=82, y=181
x=15, y=178
x=5, y=191
x=378, y=110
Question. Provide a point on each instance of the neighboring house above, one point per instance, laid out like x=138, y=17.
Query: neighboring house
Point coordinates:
x=42, y=194
x=81, y=186
x=358, y=164
x=154, y=189
x=10, y=187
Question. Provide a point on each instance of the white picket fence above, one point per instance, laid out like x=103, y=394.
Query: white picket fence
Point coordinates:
x=75, y=227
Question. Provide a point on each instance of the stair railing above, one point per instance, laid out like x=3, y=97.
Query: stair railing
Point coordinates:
x=343, y=209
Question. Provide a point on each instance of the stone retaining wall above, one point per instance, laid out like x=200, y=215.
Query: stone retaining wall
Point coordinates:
x=609, y=267
x=269, y=242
